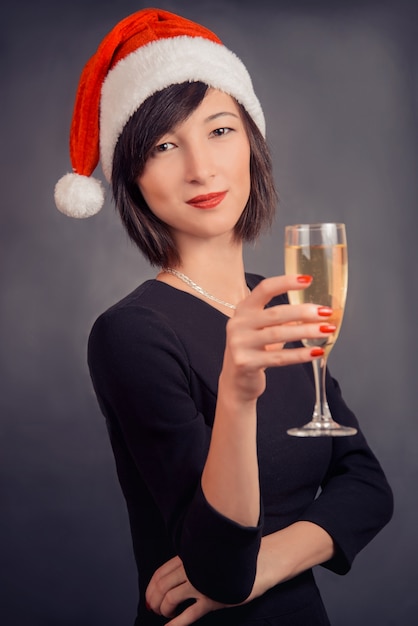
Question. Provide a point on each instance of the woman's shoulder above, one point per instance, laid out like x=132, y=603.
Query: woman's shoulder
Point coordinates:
x=135, y=315
x=146, y=299
x=133, y=331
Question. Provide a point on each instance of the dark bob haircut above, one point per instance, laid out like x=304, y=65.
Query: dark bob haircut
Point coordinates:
x=158, y=115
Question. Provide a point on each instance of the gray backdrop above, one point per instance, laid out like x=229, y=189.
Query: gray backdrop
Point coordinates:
x=338, y=82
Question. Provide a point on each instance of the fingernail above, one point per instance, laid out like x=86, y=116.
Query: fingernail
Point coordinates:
x=317, y=352
x=327, y=328
x=147, y=606
x=304, y=279
x=324, y=311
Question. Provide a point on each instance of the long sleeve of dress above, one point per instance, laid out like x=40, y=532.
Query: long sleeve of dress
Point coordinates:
x=356, y=500
x=143, y=379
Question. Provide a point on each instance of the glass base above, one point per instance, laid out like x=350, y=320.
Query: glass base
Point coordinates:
x=327, y=428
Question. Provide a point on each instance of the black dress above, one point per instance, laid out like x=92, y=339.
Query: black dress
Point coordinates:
x=155, y=359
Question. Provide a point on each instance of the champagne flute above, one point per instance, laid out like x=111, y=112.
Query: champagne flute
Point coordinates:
x=320, y=250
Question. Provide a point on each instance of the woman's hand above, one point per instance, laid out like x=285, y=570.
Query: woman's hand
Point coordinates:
x=169, y=588
x=256, y=335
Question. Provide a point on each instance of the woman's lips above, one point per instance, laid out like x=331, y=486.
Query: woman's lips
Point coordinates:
x=207, y=201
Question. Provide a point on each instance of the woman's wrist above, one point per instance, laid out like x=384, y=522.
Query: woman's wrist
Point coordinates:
x=233, y=397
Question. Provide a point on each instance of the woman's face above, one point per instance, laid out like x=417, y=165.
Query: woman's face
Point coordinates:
x=197, y=179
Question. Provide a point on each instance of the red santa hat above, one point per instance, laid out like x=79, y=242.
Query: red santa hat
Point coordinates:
x=143, y=54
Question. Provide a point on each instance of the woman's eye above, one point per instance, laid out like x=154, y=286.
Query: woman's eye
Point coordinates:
x=218, y=132
x=164, y=147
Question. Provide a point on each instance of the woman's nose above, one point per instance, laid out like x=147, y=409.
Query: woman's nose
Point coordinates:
x=199, y=164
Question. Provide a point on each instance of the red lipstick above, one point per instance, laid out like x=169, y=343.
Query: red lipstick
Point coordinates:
x=207, y=201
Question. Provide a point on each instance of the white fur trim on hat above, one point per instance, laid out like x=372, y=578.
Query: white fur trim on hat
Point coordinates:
x=78, y=196
x=165, y=62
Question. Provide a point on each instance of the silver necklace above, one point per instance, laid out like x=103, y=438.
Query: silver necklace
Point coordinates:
x=197, y=287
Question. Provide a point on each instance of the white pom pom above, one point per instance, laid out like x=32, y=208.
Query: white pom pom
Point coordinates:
x=78, y=196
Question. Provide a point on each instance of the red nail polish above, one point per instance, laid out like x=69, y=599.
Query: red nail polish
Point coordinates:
x=324, y=311
x=317, y=352
x=304, y=279
x=327, y=328
x=147, y=606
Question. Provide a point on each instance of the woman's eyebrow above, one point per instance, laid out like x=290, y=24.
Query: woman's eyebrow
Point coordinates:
x=220, y=114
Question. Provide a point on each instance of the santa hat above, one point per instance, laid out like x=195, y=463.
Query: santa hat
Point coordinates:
x=143, y=54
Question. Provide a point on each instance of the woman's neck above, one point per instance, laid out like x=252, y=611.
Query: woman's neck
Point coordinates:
x=218, y=270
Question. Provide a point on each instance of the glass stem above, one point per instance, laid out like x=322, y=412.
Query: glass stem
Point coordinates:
x=321, y=411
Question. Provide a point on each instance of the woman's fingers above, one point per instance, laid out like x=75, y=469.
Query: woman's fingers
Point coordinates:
x=176, y=596
x=268, y=288
x=281, y=324
x=288, y=313
x=170, y=575
x=169, y=592
x=192, y=614
x=274, y=355
x=289, y=333
x=189, y=615
x=279, y=315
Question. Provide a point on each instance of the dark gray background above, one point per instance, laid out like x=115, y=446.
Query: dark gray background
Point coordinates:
x=338, y=82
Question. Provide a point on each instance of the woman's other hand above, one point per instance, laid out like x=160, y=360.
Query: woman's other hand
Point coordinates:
x=283, y=555
x=169, y=588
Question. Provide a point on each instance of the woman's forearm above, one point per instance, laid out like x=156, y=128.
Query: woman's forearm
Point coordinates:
x=230, y=477
x=289, y=552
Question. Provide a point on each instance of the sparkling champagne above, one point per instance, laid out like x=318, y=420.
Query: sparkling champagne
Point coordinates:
x=320, y=250
x=327, y=264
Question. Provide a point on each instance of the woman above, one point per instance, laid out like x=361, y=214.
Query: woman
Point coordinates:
x=191, y=370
